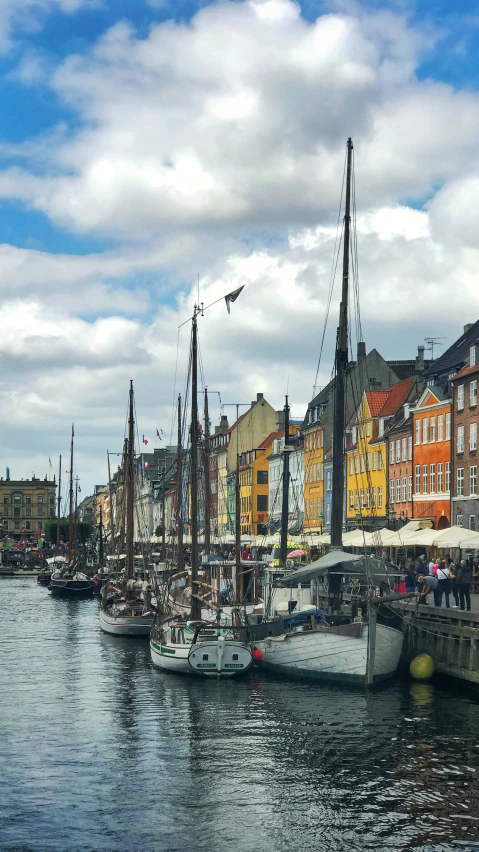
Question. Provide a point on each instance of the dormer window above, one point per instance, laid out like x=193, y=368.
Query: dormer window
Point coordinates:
x=474, y=355
x=355, y=434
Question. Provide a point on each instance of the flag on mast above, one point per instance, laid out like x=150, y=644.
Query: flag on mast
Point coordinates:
x=231, y=297
x=145, y=440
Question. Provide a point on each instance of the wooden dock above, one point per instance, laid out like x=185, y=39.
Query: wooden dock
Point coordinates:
x=450, y=636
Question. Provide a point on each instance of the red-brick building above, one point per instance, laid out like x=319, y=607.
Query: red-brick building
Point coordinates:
x=465, y=420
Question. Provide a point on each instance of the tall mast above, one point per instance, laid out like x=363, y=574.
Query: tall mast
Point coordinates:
x=285, y=503
x=70, y=513
x=195, y=603
x=112, y=523
x=130, y=489
x=239, y=574
x=75, y=523
x=206, y=468
x=179, y=490
x=341, y=364
x=100, y=553
x=123, y=497
x=59, y=505
x=163, y=530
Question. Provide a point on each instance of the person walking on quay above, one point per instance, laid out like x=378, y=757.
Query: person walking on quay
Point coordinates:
x=452, y=579
x=443, y=586
x=464, y=581
x=411, y=577
x=427, y=584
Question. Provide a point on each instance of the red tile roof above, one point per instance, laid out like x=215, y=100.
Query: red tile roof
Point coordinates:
x=466, y=371
x=272, y=437
x=385, y=403
x=376, y=400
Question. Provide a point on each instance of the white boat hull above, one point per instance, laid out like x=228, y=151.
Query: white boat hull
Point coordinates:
x=171, y=658
x=220, y=658
x=135, y=625
x=327, y=656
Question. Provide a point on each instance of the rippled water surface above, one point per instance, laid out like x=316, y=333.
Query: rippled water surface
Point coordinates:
x=99, y=751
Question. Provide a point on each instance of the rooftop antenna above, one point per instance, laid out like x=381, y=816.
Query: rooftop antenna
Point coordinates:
x=433, y=341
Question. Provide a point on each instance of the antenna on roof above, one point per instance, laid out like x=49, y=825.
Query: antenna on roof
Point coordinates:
x=433, y=341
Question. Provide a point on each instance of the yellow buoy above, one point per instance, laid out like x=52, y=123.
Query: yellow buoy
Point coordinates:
x=422, y=667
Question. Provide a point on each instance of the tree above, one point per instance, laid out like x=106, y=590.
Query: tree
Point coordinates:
x=50, y=530
x=159, y=531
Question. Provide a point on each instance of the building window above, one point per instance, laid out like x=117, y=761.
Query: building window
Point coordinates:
x=391, y=452
x=460, y=439
x=39, y=499
x=6, y=499
x=473, y=480
x=404, y=489
x=440, y=427
x=261, y=503
x=418, y=479
x=460, y=482
x=409, y=488
x=362, y=430
x=473, y=393
x=473, y=436
x=351, y=500
x=424, y=479
x=262, y=477
x=356, y=499
x=409, y=447
x=374, y=498
x=16, y=512
x=448, y=476
x=356, y=464
x=380, y=460
x=40, y=512
x=398, y=451
x=439, y=476
x=432, y=429
x=380, y=497
x=375, y=460
x=418, y=431
x=460, y=397
x=52, y=499
x=5, y=526
x=28, y=512
x=351, y=463
x=368, y=498
x=448, y=427
x=17, y=525
x=432, y=478
x=5, y=511
x=381, y=427
x=362, y=498
x=17, y=498
x=472, y=522
x=368, y=461
x=368, y=429
x=28, y=499
x=391, y=491
x=355, y=434
x=27, y=525
x=425, y=429
x=398, y=490
x=404, y=449
x=362, y=463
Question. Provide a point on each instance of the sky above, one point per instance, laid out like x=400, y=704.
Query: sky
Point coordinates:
x=144, y=143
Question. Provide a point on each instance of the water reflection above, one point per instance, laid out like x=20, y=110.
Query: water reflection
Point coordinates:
x=103, y=752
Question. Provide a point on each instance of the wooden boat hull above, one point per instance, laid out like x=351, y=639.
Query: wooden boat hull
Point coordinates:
x=332, y=657
x=219, y=658
x=136, y=625
x=71, y=588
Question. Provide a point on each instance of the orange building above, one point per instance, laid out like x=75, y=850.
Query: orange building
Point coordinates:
x=432, y=458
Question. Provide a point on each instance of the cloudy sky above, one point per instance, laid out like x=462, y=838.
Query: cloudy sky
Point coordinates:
x=145, y=141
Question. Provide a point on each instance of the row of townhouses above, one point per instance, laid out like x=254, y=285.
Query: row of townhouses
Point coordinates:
x=411, y=448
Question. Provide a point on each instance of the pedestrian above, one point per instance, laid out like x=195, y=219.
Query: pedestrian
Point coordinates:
x=464, y=581
x=422, y=566
x=410, y=577
x=452, y=580
x=443, y=586
x=427, y=584
x=432, y=563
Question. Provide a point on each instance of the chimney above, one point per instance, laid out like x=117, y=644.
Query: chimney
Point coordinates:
x=259, y=397
x=467, y=327
x=279, y=420
x=419, y=363
x=223, y=427
x=361, y=350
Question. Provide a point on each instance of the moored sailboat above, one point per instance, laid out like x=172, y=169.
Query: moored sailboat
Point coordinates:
x=125, y=609
x=352, y=644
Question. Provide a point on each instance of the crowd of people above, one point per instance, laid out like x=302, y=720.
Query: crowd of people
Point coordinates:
x=444, y=578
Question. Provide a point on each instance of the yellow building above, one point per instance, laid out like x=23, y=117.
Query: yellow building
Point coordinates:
x=254, y=486
x=25, y=506
x=366, y=454
x=313, y=473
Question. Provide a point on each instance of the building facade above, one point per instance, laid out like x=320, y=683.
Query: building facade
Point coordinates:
x=254, y=486
x=432, y=457
x=25, y=506
x=465, y=424
x=400, y=466
x=296, y=482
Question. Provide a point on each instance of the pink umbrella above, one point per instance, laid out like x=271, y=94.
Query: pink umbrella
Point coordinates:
x=295, y=553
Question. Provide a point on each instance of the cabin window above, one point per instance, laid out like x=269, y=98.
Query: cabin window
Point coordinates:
x=235, y=656
x=205, y=656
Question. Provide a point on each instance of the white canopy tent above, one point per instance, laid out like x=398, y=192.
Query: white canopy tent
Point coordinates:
x=453, y=537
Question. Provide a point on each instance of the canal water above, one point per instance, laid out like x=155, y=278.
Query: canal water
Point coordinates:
x=99, y=751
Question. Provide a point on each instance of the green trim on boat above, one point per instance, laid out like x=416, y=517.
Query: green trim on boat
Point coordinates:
x=162, y=649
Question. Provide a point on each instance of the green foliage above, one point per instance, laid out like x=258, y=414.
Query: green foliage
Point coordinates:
x=50, y=530
x=159, y=531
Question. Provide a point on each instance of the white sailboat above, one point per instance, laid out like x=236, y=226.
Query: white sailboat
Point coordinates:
x=196, y=646
x=126, y=609
x=353, y=646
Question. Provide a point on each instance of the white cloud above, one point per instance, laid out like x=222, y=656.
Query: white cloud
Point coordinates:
x=28, y=15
